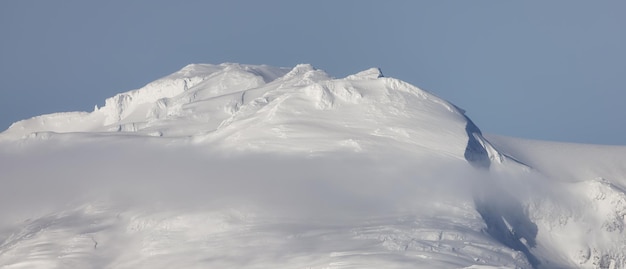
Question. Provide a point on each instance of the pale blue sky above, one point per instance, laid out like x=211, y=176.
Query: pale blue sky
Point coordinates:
x=551, y=70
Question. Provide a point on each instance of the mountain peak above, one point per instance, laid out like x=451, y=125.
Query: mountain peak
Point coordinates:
x=372, y=73
x=225, y=165
x=279, y=109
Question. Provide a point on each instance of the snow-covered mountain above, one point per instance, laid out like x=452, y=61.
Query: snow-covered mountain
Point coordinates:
x=243, y=166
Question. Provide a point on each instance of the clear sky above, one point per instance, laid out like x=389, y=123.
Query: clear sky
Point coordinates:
x=550, y=70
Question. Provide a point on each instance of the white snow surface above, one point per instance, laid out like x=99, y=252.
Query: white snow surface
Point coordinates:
x=245, y=166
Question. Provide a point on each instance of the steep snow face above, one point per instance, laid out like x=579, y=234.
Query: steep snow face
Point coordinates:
x=196, y=81
x=157, y=101
x=266, y=109
x=308, y=111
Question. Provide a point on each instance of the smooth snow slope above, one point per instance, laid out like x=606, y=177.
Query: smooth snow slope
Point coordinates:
x=254, y=166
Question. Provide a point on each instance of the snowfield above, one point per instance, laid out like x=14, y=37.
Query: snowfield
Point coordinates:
x=244, y=166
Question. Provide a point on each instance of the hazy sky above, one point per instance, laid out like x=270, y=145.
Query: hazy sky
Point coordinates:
x=551, y=70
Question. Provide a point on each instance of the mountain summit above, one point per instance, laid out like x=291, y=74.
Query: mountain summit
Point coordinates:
x=253, y=166
x=267, y=108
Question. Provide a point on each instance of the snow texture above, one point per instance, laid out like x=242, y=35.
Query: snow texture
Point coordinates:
x=245, y=166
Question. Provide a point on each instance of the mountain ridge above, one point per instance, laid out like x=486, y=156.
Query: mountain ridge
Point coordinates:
x=209, y=98
x=252, y=166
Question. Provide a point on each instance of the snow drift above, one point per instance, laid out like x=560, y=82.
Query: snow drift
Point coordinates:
x=237, y=165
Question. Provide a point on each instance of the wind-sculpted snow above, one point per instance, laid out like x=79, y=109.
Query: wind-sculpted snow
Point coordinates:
x=265, y=108
x=160, y=100
x=242, y=166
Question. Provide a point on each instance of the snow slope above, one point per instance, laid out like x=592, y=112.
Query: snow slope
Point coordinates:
x=248, y=166
x=589, y=190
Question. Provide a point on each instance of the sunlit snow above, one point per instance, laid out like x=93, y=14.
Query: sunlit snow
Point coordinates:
x=244, y=166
